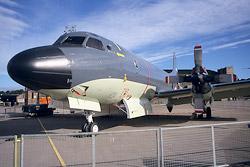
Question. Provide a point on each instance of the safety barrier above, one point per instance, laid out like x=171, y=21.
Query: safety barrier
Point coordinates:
x=243, y=103
x=206, y=145
x=6, y=112
x=8, y=151
x=103, y=149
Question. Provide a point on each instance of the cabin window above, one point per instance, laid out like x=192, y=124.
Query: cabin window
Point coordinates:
x=74, y=40
x=95, y=43
x=109, y=47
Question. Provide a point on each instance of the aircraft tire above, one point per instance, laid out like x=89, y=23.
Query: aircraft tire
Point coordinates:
x=193, y=116
x=85, y=127
x=200, y=116
x=209, y=113
x=94, y=127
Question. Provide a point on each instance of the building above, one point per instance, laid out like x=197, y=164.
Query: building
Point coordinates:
x=226, y=70
x=32, y=98
x=8, y=100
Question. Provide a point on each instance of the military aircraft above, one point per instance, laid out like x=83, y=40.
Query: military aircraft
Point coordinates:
x=87, y=72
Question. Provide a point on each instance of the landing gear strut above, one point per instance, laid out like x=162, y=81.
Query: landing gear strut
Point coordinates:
x=90, y=125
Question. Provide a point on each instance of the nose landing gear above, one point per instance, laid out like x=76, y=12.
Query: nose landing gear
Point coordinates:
x=90, y=125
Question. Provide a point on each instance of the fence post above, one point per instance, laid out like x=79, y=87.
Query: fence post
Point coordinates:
x=93, y=150
x=161, y=144
x=15, y=151
x=21, y=151
x=213, y=145
x=158, y=148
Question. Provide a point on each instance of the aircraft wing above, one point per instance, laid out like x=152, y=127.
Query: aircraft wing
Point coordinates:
x=220, y=91
x=234, y=89
x=179, y=96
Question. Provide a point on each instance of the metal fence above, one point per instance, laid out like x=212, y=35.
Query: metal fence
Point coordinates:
x=234, y=103
x=8, y=151
x=6, y=112
x=124, y=148
x=206, y=145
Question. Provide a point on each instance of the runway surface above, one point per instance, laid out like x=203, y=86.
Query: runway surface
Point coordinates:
x=181, y=147
x=17, y=123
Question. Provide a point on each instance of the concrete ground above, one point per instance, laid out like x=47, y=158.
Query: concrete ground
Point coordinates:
x=16, y=123
x=134, y=149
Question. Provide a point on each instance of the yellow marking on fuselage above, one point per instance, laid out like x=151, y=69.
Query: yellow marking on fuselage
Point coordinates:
x=125, y=78
x=53, y=146
x=119, y=54
x=118, y=47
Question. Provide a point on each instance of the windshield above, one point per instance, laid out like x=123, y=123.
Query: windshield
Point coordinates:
x=74, y=40
x=95, y=43
x=70, y=40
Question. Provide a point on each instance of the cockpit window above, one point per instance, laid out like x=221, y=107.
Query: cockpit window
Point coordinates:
x=95, y=43
x=74, y=40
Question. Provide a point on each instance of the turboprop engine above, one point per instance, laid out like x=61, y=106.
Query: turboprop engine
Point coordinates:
x=201, y=84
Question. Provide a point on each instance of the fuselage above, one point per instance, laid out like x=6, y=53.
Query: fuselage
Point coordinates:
x=100, y=68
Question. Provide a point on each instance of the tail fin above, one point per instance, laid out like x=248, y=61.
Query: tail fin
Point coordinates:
x=175, y=70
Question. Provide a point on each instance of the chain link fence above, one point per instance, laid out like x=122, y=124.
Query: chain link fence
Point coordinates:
x=206, y=145
x=103, y=149
x=232, y=144
x=6, y=112
x=8, y=151
x=187, y=147
x=245, y=103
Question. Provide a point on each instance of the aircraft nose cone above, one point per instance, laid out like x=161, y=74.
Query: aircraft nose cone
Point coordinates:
x=41, y=68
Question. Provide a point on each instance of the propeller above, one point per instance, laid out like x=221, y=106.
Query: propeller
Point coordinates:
x=200, y=79
x=200, y=82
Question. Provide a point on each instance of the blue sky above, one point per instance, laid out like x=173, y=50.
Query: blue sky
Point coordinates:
x=150, y=28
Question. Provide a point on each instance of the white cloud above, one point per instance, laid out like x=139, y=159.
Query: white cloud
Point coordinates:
x=135, y=25
x=9, y=2
x=10, y=28
x=10, y=25
x=167, y=21
x=7, y=11
x=233, y=44
x=159, y=57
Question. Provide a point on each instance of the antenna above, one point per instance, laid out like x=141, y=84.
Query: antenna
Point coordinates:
x=73, y=28
x=69, y=29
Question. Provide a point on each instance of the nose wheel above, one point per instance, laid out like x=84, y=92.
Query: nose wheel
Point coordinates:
x=90, y=125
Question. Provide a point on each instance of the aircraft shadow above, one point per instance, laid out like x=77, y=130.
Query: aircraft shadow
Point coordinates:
x=24, y=125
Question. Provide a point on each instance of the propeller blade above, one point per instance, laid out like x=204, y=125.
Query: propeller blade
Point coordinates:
x=197, y=57
x=198, y=103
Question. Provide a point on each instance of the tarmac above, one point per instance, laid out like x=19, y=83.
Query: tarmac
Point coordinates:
x=188, y=148
x=14, y=122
